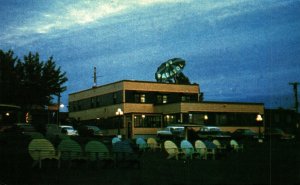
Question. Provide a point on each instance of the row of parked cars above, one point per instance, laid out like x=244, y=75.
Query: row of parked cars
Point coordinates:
x=89, y=130
x=216, y=133
x=54, y=129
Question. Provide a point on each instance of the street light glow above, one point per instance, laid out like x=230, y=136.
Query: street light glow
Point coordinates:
x=119, y=112
x=259, y=117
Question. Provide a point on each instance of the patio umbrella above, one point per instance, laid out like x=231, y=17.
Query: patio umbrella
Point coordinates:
x=169, y=70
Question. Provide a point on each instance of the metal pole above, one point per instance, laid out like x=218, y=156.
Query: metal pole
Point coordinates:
x=119, y=125
x=295, y=87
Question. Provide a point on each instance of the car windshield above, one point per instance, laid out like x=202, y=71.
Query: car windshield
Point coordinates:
x=248, y=132
x=179, y=129
x=67, y=127
x=93, y=128
x=207, y=129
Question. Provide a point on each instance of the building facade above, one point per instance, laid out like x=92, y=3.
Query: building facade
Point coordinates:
x=149, y=106
x=286, y=119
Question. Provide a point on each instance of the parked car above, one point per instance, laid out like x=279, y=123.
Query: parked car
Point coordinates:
x=24, y=128
x=215, y=134
x=244, y=134
x=95, y=130
x=212, y=132
x=209, y=128
x=277, y=133
x=171, y=131
x=54, y=130
x=69, y=130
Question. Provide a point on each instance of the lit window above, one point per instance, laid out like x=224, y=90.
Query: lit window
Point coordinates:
x=190, y=117
x=165, y=99
x=143, y=98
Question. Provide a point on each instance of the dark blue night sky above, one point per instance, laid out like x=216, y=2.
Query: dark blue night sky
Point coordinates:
x=240, y=51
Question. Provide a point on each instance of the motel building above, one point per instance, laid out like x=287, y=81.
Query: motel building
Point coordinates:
x=140, y=108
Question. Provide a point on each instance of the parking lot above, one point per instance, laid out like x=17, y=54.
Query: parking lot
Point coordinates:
x=260, y=163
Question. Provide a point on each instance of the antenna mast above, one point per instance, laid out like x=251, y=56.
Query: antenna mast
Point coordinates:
x=295, y=87
x=95, y=77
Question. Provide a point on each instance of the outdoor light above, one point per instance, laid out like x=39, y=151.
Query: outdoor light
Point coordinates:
x=143, y=116
x=7, y=114
x=259, y=120
x=205, y=119
x=119, y=113
x=61, y=106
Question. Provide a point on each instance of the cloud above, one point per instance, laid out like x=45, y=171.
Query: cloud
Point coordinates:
x=65, y=15
x=137, y=35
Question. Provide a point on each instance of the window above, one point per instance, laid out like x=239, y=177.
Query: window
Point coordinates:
x=136, y=98
x=93, y=100
x=97, y=101
x=147, y=121
x=159, y=99
x=165, y=99
x=185, y=98
x=143, y=98
x=190, y=118
x=170, y=119
x=140, y=98
x=114, y=98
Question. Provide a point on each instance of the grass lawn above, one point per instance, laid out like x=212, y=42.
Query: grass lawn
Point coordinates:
x=276, y=162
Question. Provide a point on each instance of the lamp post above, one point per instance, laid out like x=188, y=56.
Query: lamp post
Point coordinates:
x=119, y=113
x=59, y=106
x=259, y=120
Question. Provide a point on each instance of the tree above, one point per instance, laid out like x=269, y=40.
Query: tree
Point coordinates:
x=182, y=79
x=8, y=77
x=29, y=82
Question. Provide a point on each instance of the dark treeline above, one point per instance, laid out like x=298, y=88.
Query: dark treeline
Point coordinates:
x=29, y=82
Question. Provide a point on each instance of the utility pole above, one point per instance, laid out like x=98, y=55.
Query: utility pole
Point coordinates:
x=295, y=87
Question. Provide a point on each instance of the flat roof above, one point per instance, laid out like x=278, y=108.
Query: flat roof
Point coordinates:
x=225, y=102
x=134, y=81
